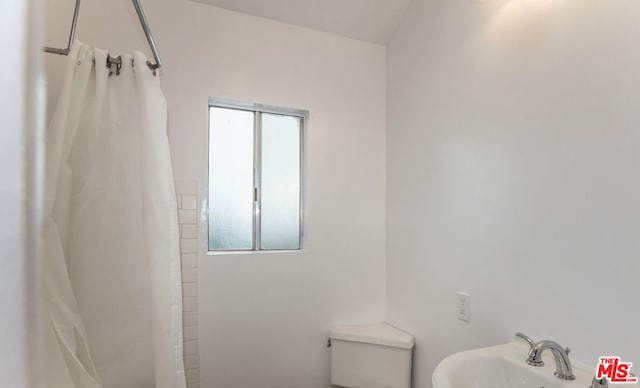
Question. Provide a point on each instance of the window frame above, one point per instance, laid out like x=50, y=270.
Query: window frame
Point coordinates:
x=258, y=110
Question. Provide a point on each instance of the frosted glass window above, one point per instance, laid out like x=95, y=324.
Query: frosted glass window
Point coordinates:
x=231, y=179
x=255, y=171
x=280, y=182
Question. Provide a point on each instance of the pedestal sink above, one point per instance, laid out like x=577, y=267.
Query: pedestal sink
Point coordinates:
x=504, y=366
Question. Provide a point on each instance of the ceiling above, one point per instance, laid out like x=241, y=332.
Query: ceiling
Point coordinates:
x=369, y=20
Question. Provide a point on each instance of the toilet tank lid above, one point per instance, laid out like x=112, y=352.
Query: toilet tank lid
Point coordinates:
x=376, y=333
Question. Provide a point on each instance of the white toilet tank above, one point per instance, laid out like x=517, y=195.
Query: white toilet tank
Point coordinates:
x=371, y=356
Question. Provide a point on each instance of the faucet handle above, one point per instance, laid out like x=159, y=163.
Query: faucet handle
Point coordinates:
x=599, y=383
x=526, y=338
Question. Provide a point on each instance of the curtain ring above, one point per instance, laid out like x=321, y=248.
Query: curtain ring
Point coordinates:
x=111, y=62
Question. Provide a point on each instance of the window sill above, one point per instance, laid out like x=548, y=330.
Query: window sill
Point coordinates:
x=242, y=253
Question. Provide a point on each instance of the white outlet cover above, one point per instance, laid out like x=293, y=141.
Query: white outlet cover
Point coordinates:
x=464, y=307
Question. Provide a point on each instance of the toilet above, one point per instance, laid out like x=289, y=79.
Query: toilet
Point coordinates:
x=371, y=356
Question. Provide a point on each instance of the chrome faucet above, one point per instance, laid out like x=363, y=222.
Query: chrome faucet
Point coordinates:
x=526, y=338
x=561, y=355
x=564, y=370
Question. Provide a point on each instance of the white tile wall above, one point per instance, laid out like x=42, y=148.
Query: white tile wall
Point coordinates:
x=189, y=275
x=191, y=348
x=188, y=245
x=189, y=304
x=191, y=362
x=187, y=198
x=189, y=289
x=187, y=216
x=189, y=230
x=190, y=319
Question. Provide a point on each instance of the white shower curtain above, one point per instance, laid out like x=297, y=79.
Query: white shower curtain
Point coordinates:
x=111, y=237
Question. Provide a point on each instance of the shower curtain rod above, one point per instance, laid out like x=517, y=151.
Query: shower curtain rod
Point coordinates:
x=110, y=60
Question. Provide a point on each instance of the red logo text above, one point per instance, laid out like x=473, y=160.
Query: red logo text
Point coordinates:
x=615, y=370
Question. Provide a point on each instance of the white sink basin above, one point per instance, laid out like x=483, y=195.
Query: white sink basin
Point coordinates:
x=504, y=366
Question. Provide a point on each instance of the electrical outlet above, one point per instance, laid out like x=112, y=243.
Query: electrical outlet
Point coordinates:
x=464, y=307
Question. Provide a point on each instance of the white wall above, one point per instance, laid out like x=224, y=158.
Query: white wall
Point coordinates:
x=513, y=154
x=264, y=318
